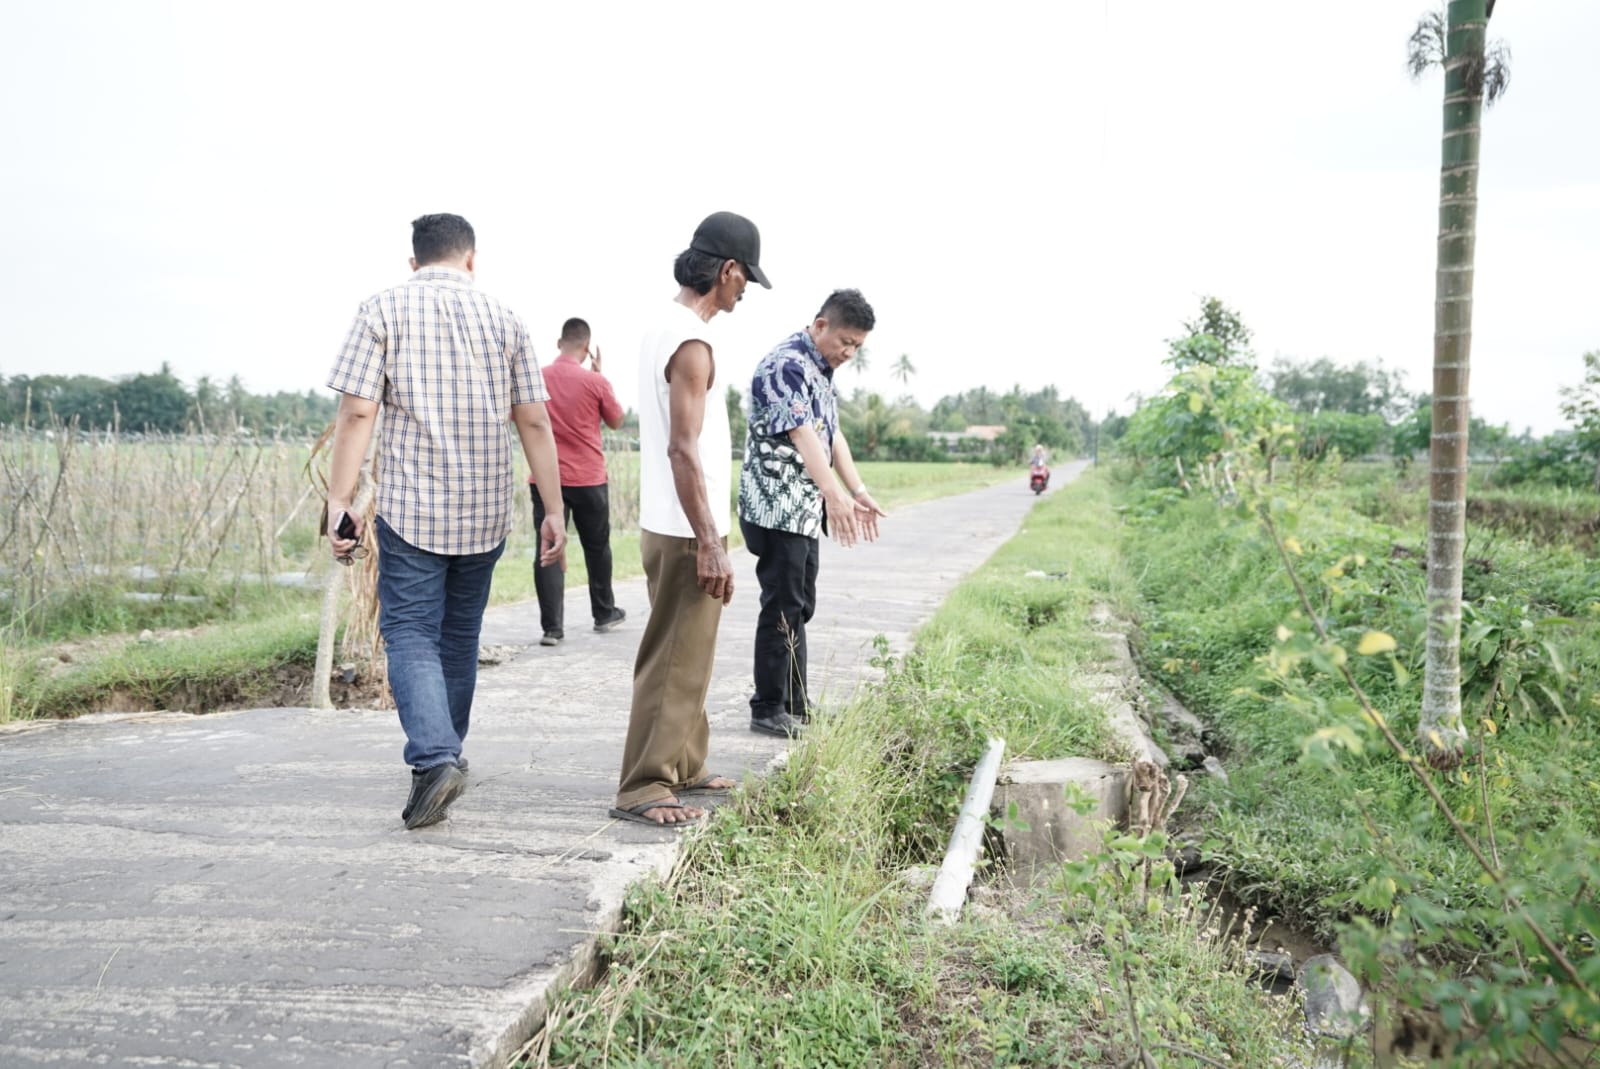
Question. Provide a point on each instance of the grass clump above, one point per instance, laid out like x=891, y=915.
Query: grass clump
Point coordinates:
x=791, y=931
x=209, y=669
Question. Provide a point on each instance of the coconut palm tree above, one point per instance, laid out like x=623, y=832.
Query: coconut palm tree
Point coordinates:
x=1455, y=40
x=903, y=369
x=981, y=405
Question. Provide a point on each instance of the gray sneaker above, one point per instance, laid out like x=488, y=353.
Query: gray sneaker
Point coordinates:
x=610, y=622
x=551, y=638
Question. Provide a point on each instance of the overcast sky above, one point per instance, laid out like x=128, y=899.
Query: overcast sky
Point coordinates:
x=1033, y=193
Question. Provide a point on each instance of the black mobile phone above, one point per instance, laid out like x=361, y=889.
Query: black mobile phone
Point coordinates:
x=347, y=526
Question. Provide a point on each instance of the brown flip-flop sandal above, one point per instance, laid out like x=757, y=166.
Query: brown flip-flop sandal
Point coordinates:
x=636, y=814
x=700, y=788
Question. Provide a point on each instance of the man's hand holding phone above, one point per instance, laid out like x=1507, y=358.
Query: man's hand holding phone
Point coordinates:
x=344, y=535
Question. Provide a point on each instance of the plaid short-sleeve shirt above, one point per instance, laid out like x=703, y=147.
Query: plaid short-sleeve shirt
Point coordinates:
x=446, y=363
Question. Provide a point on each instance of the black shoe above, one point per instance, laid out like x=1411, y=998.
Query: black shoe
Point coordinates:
x=780, y=724
x=431, y=794
x=611, y=621
x=551, y=638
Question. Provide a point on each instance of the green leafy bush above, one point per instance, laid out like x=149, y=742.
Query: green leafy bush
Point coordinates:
x=1468, y=893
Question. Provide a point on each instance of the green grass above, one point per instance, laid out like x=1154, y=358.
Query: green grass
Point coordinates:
x=1544, y=516
x=1345, y=841
x=108, y=610
x=789, y=936
x=216, y=667
x=896, y=483
x=893, y=485
x=1214, y=596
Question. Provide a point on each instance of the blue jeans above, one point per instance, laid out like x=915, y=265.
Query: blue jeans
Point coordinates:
x=430, y=613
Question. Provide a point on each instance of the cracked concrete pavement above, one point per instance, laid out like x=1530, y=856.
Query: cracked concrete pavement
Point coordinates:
x=236, y=889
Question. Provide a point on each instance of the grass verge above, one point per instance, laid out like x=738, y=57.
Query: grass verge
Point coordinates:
x=212, y=668
x=789, y=934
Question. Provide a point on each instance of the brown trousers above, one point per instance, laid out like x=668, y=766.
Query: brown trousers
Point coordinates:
x=668, y=733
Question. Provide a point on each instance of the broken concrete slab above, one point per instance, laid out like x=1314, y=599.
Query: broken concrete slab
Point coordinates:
x=1038, y=823
x=1130, y=730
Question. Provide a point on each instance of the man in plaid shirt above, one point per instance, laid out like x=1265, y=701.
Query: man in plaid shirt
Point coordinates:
x=446, y=365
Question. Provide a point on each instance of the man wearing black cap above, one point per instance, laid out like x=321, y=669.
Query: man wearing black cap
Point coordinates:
x=685, y=488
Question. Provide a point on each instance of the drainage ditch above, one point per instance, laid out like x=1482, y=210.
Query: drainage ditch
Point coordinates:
x=1371, y=1030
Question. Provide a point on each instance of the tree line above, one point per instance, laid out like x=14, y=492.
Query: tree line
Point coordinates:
x=159, y=403
x=1355, y=410
x=1321, y=408
x=898, y=428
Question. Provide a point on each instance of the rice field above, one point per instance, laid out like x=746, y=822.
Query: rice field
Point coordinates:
x=107, y=538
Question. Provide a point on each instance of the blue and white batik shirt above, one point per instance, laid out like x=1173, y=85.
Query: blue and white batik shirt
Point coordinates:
x=792, y=387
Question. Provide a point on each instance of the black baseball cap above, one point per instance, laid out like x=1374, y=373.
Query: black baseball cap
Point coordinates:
x=731, y=237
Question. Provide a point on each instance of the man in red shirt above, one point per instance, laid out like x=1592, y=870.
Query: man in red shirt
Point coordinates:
x=580, y=400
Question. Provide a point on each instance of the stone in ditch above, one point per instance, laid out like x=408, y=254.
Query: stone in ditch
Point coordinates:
x=1334, y=1005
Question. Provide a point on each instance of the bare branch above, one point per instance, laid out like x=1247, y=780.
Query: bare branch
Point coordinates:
x=1425, y=49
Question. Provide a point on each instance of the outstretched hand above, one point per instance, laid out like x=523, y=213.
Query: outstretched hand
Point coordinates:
x=867, y=514
x=842, y=522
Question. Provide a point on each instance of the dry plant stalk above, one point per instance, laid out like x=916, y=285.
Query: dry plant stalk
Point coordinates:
x=362, y=645
x=91, y=511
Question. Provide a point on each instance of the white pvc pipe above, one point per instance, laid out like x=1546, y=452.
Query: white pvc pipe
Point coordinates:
x=960, y=859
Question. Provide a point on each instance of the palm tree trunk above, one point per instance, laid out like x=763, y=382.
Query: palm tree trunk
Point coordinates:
x=1439, y=729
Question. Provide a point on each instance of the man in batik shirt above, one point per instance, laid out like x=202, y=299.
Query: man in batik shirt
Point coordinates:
x=790, y=490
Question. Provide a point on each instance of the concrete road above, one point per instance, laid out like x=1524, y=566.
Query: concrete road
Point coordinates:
x=237, y=890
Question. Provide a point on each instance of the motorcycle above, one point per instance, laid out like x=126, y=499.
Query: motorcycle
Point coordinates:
x=1038, y=478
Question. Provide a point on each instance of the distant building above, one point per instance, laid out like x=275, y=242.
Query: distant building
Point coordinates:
x=977, y=440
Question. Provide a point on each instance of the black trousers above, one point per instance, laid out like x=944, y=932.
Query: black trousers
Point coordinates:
x=589, y=509
x=786, y=567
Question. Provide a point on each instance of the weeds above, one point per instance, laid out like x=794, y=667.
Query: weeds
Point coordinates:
x=1467, y=894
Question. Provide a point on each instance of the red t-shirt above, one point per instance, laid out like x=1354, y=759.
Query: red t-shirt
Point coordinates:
x=579, y=400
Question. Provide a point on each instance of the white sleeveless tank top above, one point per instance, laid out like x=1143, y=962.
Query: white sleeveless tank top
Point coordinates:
x=659, y=508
